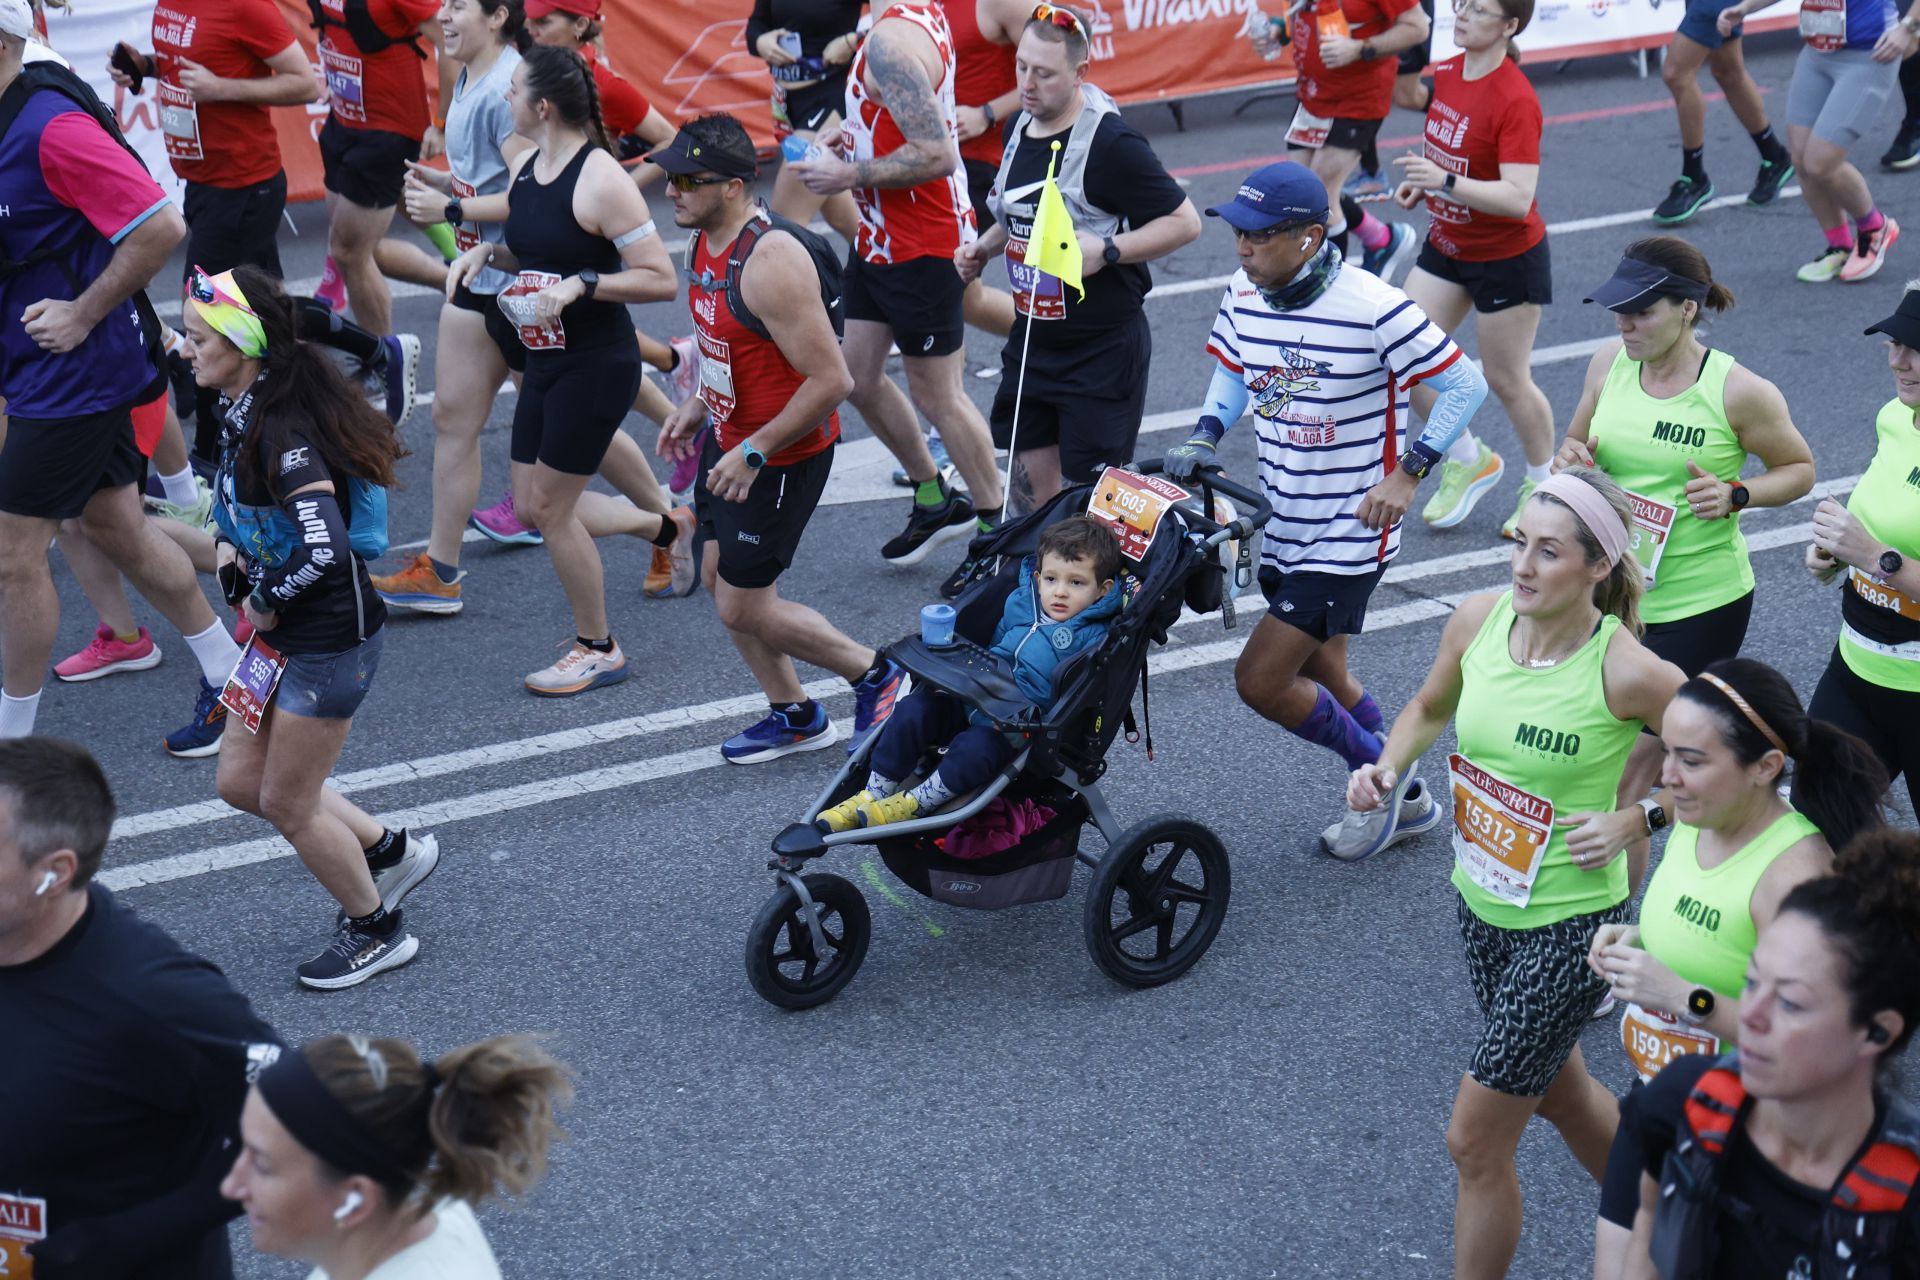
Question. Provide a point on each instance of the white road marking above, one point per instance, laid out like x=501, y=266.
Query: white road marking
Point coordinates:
x=698, y=759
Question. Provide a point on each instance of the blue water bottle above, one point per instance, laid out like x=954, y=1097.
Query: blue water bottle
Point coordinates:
x=936, y=625
x=796, y=148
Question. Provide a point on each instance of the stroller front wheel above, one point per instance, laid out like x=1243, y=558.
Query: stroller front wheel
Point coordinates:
x=786, y=965
x=1157, y=900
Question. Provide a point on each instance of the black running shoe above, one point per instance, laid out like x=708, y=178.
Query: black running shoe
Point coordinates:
x=973, y=569
x=1905, y=151
x=928, y=527
x=355, y=955
x=1774, y=174
x=1682, y=202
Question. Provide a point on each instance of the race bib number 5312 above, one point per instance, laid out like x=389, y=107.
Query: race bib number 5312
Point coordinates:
x=1500, y=831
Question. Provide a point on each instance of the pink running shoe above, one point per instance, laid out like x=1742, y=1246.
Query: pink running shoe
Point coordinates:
x=332, y=288
x=500, y=524
x=108, y=655
x=687, y=470
x=683, y=382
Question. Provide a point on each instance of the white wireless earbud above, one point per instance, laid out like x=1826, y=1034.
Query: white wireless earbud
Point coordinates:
x=1307, y=243
x=46, y=883
x=347, y=1206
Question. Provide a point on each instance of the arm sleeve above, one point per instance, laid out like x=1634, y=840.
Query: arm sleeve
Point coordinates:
x=1226, y=400
x=1462, y=389
x=322, y=549
x=89, y=172
x=759, y=22
x=1127, y=178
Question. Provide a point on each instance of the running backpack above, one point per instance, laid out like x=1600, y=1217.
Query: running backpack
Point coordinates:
x=1872, y=1205
x=266, y=535
x=357, y=21
x=826, y=265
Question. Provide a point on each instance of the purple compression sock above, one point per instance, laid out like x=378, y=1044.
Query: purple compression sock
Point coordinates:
x=1367, y=713
x=1332, y=727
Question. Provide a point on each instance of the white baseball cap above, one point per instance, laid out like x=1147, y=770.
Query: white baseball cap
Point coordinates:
x=16, y=19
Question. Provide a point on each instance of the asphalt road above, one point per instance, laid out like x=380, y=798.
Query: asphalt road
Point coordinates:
x=981, y=1100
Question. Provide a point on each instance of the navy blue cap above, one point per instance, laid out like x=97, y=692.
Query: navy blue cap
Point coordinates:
x=1274, y=196
x=1903, y=326
x=1635, y=285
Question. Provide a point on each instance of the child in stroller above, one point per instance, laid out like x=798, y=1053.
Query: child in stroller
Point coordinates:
x=1069, y=591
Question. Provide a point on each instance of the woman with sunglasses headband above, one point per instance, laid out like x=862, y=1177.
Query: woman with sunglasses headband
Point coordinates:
x=580, y=243
x=297, y=447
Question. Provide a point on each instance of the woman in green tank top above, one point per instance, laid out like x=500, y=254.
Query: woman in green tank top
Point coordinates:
x=1547, y=688
x=1735, y=851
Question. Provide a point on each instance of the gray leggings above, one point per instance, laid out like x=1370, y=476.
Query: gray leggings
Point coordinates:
x=1838, y=95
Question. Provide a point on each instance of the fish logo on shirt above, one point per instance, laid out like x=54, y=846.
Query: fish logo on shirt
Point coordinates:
x=1295, y=375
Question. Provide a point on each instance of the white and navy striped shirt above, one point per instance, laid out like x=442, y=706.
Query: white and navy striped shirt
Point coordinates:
x=1328, y=385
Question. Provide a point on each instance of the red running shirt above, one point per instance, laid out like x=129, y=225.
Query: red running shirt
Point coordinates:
x=1473, y=127
x=218, y=144
x=899, y=224
x=744, y=378
x=1359, y=90
x=983, y=71
x=622, y=107
x=385, y=90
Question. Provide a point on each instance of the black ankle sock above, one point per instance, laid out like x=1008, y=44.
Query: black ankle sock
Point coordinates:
x=798, y=715
x=1693, y=163
x=387, y=850
x=874, y=672
x=598, y=646
x=669, y=532
x=382, y=922
x=1771, y=151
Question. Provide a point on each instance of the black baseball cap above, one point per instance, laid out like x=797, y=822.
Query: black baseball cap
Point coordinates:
x=688, y=155
x=1903, y=326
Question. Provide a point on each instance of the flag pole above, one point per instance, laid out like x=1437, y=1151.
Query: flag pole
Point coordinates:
x=1026, y=342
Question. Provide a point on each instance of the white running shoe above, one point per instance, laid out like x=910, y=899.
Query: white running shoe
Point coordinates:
x=1409, y=812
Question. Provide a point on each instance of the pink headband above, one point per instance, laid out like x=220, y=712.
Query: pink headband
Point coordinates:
x=1594, y=511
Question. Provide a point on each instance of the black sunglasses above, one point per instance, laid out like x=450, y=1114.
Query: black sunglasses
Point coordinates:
x=685, y=182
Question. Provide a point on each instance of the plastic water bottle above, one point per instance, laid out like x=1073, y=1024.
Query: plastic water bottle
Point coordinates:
x=936, y=625
x=1268, y=34
x=796, y=149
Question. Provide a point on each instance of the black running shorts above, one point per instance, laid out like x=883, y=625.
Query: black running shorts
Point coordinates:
x=50, y=468
x=1696, y=643
x=1497, y=285
x=1092, y=432
x=756, y=539
x=1888, y=720
x=570, y=405
x=1323, y=605
x=1346, y=133
x=499, y=328
x=228, y=226
x=919, y=299
x=365, y=166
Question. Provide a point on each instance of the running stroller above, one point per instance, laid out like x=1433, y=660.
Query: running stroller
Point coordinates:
x=1159, y=890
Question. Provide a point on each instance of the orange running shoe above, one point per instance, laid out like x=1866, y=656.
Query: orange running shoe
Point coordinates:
x=419, y=588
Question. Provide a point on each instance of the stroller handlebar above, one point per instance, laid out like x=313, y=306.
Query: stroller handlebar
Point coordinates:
x=1256, y=510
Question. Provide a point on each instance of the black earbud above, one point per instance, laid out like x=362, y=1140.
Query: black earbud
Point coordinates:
x=1877, y=1034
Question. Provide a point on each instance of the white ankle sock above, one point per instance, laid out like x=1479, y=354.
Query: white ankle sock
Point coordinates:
x=217, y=653
x=1536, y=474
x=880, y=788
x=932, y=793
x=17, y=714
x=181, y=491
x=1465, y=450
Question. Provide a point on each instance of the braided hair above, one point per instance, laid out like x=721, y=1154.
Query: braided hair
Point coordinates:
x=564, y=79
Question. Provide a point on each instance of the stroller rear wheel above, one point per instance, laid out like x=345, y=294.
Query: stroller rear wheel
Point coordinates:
x=784, y=963
x=1157, y=900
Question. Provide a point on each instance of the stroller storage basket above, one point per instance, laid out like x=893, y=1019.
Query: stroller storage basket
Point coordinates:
x=1037, y=869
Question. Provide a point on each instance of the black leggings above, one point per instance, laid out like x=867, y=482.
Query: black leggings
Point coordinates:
x=1888, y=720
x=1696, y=643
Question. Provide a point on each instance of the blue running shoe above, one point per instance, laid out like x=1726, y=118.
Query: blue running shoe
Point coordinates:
x=773, y=737
x=874, y=700
x=402, y=376
x=1393, y=257
x=203, y=733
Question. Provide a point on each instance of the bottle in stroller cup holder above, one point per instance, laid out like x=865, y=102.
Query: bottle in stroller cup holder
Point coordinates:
x=1158, y=892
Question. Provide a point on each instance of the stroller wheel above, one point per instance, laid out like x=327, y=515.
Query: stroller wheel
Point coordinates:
x=784, y=964
x=1157, y=900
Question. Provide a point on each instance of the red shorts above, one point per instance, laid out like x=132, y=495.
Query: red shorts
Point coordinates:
x=149, y=420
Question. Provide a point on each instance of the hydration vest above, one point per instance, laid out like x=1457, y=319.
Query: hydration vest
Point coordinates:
x=826, y=265
x=357, y=21
x=33, y=77
x=267, y=535
x=1070, y=176
x=1860, y=1230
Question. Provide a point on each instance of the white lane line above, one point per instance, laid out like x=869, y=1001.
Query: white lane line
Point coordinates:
x=677, y=718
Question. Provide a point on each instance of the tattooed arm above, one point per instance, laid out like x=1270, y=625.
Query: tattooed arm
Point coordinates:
x=900, y=61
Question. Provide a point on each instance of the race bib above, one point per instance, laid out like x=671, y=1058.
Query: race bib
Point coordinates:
x=716, y=375
x=179, y=122
x=1647, y=537
x=464, y=238
x=23, y=1221
x=1823, y=24
x=346, y=83
x=1500, y=831
x=1882, y=596
x=1653, y=1040
x=1308, y=130
x=250, y=688
x=517, y=301
x=1131, y=505
x=1035, y=293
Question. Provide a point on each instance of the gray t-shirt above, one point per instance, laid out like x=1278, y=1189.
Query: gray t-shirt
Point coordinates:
x=478, y=122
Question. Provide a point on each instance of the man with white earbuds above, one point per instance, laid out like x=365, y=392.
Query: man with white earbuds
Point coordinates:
x=116, y=1128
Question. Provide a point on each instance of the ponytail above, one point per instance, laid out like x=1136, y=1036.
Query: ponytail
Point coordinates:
x=596, y=120
x=1838, y=780
x=564, y=80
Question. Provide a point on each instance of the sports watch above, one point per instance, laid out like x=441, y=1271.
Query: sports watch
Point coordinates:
x=454, y=211
x=591, y=280
x=1368, y=53
x=1452, y=178
x=1656, y=816
x=1891, y=562
x=1700, y=1003
x=752, y=456
x=1111, y=254
x=1738, y=497
x=1417, y=462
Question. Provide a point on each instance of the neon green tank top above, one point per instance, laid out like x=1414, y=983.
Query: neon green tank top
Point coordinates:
x=1532, y=736
x=1645, y=444
x=1700, y=923
x=1887, y=501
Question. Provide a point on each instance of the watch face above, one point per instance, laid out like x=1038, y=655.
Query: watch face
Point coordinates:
x=1700, y=1002
x=1891, y=562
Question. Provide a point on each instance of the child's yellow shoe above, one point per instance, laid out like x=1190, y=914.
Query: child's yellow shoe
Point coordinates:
x=844, y=816
x=898, y=807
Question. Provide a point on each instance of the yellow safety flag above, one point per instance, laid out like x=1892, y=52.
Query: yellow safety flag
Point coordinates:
x=1053, y=246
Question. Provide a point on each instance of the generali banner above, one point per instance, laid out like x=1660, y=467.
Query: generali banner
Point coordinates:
x=691, y=56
